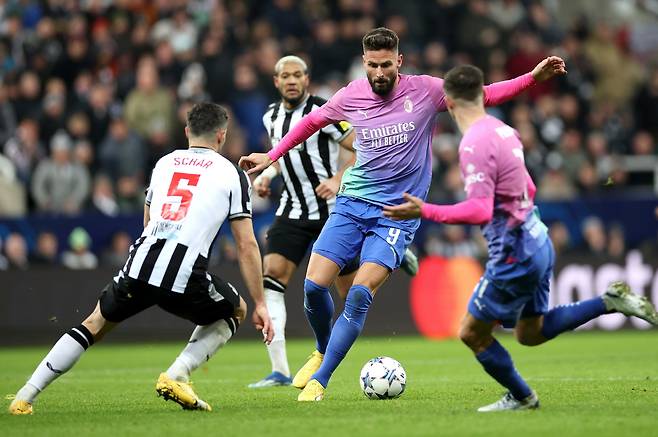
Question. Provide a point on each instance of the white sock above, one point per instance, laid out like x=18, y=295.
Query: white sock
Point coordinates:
x=276, y=306
x=203, y=344
x=63, y=355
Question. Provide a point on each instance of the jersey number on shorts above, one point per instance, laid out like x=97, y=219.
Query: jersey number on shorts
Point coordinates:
x=393, y=234
x=179, y=189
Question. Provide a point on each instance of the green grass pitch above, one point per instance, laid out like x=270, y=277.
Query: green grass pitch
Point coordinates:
x=588, y=383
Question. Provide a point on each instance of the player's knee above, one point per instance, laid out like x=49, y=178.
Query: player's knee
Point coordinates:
x=473, y=339
x=241, y=311
x=276, y=272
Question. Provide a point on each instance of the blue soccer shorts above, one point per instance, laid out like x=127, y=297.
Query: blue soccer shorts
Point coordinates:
x=519, y=292
x=358, y=228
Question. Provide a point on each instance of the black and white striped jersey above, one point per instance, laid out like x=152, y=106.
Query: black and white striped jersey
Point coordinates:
x=192, y=192
x=308, y=164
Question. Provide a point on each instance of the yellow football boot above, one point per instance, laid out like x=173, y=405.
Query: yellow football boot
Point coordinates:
x=19, y=408
x=313, y=392
x=304, y=374
x=181, y=393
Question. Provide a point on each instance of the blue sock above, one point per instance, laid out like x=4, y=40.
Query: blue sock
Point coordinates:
x=319, y=310
x=346, y=329
x=498, y=363
x=567, y=317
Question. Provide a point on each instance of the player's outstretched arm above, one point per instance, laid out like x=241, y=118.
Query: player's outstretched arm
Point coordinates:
x=473, y=211
x=500, y=92
x=251, y=269
x=306, y=127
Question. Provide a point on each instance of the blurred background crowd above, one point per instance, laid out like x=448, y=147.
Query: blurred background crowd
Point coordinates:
x=94, y=92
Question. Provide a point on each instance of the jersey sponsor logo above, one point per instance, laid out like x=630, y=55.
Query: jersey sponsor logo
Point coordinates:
x=389, y=135
x=166, y=229
x=408, y=105
x=474, y=178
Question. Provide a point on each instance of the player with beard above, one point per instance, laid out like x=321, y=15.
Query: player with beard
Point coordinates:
x=311, y=177
x=393, y=116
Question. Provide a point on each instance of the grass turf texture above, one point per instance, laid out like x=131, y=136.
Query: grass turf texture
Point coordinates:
x=588, y=383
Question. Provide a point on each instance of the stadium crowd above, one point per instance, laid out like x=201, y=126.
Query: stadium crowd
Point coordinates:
x=94, y=92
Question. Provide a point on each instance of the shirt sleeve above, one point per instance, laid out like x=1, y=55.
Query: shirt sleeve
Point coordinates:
x=333, y=110
x=338, y=131
x=435, y=88
x=240, y=197
x=478, y=171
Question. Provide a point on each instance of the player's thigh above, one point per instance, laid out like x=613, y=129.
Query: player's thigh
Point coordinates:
x=371, y=275
x=290, y=240
x=125, y=297
x=340, y=240
x=321, y=270
x=219, y=300
x=385, y=244
x=279, y=267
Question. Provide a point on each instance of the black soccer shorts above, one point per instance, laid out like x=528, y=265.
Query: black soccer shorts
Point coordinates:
x=292, y=239
x=122, y=300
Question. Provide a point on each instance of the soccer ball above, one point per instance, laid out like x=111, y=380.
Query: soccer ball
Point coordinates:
x=383, y=378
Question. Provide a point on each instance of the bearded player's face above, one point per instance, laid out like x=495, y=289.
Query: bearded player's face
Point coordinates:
x=382, y=67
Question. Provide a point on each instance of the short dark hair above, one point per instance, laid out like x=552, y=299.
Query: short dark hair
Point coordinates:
x=464, y=82
x=380, y=39
x=206, y=118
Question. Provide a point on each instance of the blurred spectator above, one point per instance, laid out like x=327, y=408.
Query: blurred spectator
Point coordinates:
x=16, y=251
x=646, y=105
x=115, y=255
x=24, y=149
x=47, y=250
x=149, y=108
x=616, y=243
x=12, y=193
x=60, y=185
x=643, y=144
x=560, y=237
x=28, y=103
x=122, y=152
x=7, y=116
x=79, y=257
x=103, y=199
x=594, y=237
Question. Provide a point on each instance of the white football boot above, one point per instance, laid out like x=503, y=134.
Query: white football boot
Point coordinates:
x=619, y=298
x=510, y=403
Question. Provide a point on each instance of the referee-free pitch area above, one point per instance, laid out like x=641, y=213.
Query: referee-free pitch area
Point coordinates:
x=589, y=384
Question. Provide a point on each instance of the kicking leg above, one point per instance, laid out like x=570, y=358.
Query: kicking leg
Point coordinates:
x=278, y=270
x=497, y=362
x=61, y=358
x=348, y=326
x=204, y=343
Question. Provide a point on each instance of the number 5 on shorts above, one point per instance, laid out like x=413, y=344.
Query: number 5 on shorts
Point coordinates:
x=393, y=234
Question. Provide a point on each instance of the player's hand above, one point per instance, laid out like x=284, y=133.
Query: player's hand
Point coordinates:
x=549, y=67
x=255, y=162
x=262, y=186
x=408, y=210
x=262, y=322
x=328, y=188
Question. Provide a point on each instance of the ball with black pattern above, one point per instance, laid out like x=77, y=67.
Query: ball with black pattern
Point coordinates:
x=383, y=378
